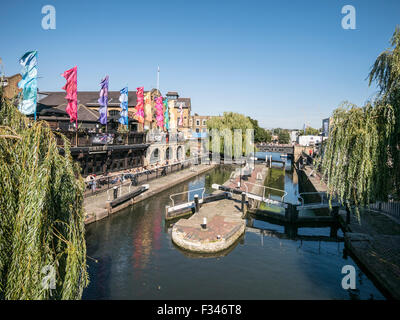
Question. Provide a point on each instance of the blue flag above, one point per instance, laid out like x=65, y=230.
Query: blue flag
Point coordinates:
x=28, y=84
x=123, y=98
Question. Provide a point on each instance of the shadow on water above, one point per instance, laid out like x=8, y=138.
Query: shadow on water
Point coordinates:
x=136, y=258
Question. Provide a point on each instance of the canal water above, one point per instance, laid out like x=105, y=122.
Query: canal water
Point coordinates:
x=131, y=256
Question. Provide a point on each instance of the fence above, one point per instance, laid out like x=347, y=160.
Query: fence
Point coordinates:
x=104, y=183
x=88, y=139
x=390, y=208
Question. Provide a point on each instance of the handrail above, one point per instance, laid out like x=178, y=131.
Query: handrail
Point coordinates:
x=265, y=187
x=188, y=192
x=305, y=193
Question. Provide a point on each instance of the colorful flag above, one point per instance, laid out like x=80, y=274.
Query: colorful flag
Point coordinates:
x=166, y=114
x=139, y=112
x=159, y=112
x=103, y=100
x=28, y=84
x=123, y=98
x=180, y=114
x=147, y=107
x=72, y=95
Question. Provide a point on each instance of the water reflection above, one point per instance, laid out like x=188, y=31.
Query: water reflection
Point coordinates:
x=136, y=259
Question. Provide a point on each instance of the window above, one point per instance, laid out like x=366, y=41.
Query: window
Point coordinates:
x=197, y=122
x=114, y=113
x=204, y=122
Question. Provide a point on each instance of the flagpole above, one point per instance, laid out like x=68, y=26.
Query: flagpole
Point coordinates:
x=127, y=108
x=77, y=106
x=158, y=78
x=36, y=88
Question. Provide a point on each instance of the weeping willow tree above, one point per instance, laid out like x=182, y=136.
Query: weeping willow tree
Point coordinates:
x=361, y=160
x=41, y=215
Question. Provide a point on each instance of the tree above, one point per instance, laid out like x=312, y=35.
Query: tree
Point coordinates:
x=228, y=123
x=284, y=137
x=309, y=132
x=361, y=159
x=260, y=134
x=41, y=215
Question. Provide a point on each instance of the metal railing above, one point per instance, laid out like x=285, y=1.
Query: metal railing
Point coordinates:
x=390, y=208
x=188, y=195
x=264, y=190
x=88, y=139
x=322, y=196
x=104, y=183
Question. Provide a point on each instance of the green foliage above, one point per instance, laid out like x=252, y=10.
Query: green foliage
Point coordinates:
x=355, y=157
x=229, y=122
x=41, y=214
x=284, y=137
x=361, y=157
x=260, y=134
x=310, y=132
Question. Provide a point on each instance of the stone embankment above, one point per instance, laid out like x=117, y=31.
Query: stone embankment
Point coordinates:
x=97, y=207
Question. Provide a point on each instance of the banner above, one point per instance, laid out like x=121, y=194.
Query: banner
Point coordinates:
x=103, y=100
x=166, y=115
x=159, y=112
x=139, y=114
x=28, y=84
x=123, y=98
x=72, y=94
x=148, y=107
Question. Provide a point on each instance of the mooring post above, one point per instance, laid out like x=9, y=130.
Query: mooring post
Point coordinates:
x=243, y=201
x=347, y=214
x=291, y=213
x=115, y=192
x=196, y=203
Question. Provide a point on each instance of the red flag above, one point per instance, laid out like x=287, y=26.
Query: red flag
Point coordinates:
x=72, y=95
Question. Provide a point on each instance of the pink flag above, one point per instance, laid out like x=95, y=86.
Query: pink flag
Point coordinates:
x=139, y=115
x=159, y=112
x=72, y=95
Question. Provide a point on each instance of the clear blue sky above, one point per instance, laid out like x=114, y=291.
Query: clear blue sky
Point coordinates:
x=283, y=63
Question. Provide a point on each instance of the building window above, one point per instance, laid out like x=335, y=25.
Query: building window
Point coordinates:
x=114, y=113
x=204, y=122
x=197, y=122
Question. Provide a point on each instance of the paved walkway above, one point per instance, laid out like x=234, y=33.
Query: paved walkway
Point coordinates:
x=95, y=206
x=374, y=239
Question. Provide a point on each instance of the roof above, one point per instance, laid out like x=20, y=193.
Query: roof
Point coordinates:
x=84, y=113
x=186, y=101
x=13, y=76
x=172, y=93
x=89, y=98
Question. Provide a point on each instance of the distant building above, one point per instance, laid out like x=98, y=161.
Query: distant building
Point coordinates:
x=10, y=86
x=199, y=123
x=309, y=140
x=293, y=136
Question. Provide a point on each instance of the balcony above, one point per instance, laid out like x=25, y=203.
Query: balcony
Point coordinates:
x=89, y=139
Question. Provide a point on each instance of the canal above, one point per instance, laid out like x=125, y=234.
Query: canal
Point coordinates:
x=131, y=256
